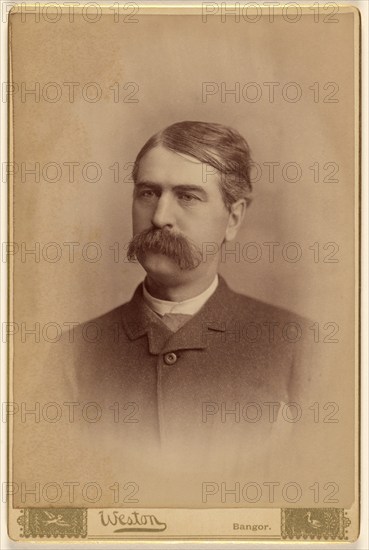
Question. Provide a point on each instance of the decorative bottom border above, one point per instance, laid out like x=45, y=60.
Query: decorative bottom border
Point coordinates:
x=303, y=524
x=314, y=523
x=53, y=522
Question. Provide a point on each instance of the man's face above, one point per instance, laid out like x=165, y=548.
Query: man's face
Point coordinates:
x=177, y=193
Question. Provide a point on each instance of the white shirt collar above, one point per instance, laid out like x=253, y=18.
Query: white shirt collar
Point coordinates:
x=188, y=307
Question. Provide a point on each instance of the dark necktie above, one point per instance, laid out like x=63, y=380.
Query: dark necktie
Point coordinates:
x=174, y=321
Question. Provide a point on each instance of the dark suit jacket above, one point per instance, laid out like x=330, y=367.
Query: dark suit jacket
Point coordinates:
x=235, y=352
x=184, y=406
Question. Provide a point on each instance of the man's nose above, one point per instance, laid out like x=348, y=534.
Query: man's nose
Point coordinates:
x=163, y=215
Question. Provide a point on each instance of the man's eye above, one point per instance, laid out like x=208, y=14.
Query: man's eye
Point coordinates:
x=147, y=193
x=187, y=197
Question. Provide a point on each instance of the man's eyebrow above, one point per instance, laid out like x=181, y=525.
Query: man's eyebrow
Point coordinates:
x=148, y=184
x=189, y=188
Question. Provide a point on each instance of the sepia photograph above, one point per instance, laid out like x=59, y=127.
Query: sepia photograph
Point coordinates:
x=184, y=272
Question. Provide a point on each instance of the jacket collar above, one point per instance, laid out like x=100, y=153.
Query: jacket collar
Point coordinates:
x=138, y=320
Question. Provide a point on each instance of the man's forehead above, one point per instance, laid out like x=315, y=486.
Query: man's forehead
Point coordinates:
x=162, y=164
x=160, y=152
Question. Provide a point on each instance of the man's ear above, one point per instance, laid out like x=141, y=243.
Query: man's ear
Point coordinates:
x=236, y=216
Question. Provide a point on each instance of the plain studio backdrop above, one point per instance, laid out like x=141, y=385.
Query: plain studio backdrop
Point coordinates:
x=146, y=75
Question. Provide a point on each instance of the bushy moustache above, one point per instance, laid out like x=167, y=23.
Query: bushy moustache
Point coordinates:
x=161, y=241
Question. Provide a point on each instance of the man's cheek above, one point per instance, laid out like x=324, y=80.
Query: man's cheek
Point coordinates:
x=140, y=222
x=214, y=237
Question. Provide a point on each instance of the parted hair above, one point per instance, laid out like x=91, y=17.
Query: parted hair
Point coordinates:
x=220, y=146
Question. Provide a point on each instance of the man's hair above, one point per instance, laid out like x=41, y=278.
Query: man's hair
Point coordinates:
x=221, y=147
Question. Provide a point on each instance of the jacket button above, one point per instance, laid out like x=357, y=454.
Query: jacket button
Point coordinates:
x=170, y=358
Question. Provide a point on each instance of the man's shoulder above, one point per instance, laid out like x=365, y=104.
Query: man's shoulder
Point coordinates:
x=245, y=306
x=96, y=324
x=99, y=329
x=108, y=318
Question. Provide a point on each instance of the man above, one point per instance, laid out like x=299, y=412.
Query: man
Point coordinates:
x=198, y=372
